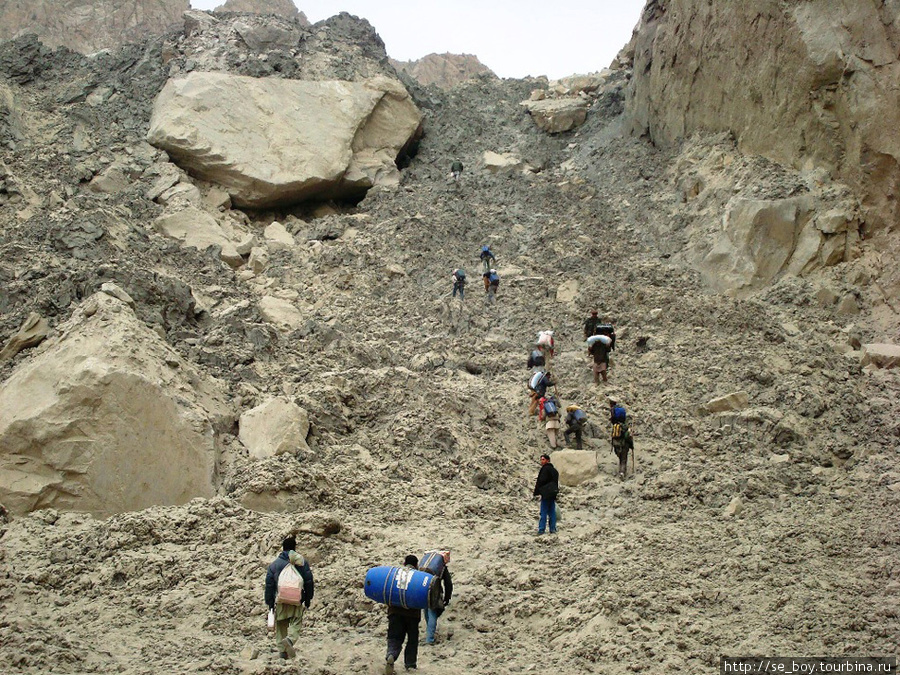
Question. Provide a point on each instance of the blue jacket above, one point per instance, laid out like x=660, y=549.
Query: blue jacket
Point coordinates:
x=274, y=570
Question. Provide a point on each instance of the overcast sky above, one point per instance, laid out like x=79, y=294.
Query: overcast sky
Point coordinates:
x=514, y=38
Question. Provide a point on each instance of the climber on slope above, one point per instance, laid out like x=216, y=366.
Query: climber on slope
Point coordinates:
x=486, y=258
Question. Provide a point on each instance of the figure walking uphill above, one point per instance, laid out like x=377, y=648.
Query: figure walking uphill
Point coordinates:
x=486, y=258
x=575, y=421
x=289, y=590
x=598, y=348
x=549, y=411
x=591, y=323
x=403, y=624
x=620, y=436
x=538, y=385
x=491, y=285
x=547, y=488
x=459, y=283
x=456, y=169
x=443, y=600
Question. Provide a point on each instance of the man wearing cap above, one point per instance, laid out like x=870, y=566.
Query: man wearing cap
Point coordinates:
x=547, y=487
x=431, y=615
x=403, y=624
x=591, y=323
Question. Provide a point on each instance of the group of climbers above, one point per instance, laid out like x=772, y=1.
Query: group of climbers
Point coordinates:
x=600, y=336
x=489, y=276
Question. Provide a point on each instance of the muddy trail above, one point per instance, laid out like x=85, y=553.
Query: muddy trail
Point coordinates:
x=770, y=530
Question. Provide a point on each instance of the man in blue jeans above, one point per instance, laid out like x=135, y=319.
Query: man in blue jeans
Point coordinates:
x=431, y=615
x=547, y=487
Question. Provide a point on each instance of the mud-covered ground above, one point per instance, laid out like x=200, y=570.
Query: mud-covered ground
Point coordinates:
x=420, y=435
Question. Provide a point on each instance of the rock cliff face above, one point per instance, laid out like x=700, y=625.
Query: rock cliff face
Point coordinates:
x=89, y=25
x=809, y=85
x=443, y=70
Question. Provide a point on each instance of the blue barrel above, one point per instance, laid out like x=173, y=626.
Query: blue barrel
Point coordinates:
x=433, y=563
x=399, y=586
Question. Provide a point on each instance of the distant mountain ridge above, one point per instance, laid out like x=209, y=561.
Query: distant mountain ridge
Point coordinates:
x=284, y=8
x=443, y=70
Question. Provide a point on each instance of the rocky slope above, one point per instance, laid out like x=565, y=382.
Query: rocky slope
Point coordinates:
x=770, y=527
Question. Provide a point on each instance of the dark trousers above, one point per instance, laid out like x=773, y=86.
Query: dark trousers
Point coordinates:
x=574, y=430
x=622, y=454
x=400, y=627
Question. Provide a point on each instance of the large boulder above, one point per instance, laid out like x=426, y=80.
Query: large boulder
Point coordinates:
x=816, y=83
x=881, y=354
x=107, y=418
x=733, y=402
x=272, y=142
x=555, y=115
x=274, y=428
x=575, y=466
x=197, y=229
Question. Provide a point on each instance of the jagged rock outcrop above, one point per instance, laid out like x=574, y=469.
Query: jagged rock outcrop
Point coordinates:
x=272, y=142
x=284, y=8
x=89, y=25
x=443, y=70
x=107, y=418
x=807, y=85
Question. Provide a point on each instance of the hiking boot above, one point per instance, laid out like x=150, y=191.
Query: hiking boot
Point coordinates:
x=389, y=666
x=288, y=646
x=411, y=667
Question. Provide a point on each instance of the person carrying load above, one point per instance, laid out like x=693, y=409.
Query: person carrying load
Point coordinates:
x=486, y=258
x=403, y=624
x=598, y=349
x=575, y=421
x=289, y=590
x=493, y=284
x=620, y=436
x=459, y=283
x=549, y=411
x=538, y=384
x=436, y=563
x=456, y=169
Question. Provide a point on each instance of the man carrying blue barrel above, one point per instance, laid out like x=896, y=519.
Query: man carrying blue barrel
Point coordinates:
x=403, y=624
